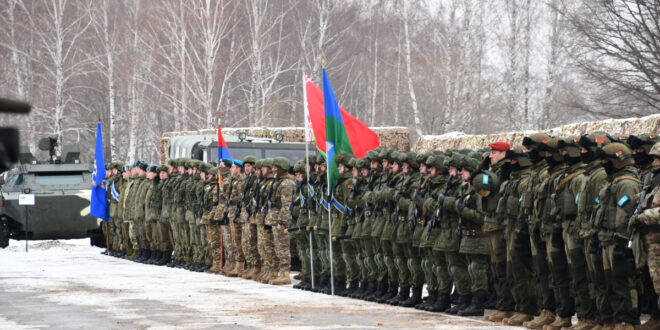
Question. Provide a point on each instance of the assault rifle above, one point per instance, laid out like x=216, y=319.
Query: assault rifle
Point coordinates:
x=640, y=206
x=239, y=206
x=253, y=203
x=265, y=208
x=438, y=208
x=225, y=215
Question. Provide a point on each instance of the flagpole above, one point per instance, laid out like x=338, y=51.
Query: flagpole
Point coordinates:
x=332, y=273
x=222, y=243
x=107, y=226
x=309, y=211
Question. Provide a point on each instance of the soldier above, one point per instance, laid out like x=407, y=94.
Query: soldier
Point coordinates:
x=648, y=222
x=209, y=197
x=320, y=223
x=136, y=209
x=213, y=228
x=252, y=169
x=278, y=218
x=299, y=222
x=518, y=251
x=616, y=206
x=640, y=146
x=114, y=187
x=162, y=227
x=235, y=224
x=360, y=174
x=595, y=179
x=369, y=174
x=127, y=248
x=182, y=235
x=222, y=214
x=340, y=196
x=446, y=245
x=152, y=209
x=265, y=232
x=349, y=245
x=530, y=209
x=551, y=231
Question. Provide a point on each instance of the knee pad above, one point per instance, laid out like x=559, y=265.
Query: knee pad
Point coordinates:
x=410, y=264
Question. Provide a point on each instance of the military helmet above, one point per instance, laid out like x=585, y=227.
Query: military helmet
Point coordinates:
x=373, y=155
x=282, y=163
x=485, y=183
x=571, y=145
x=152, y=169
x=345, y=159
x=211, y=170
x=655, y=150
x=520, y=155
x=300, y=166
x=437, y=161
x=618, y=153
x=172, y=162
x=411, y=159
x=534, y=139
x=644, y=141
x=267, y=162
x=250, y=160
x=385, y=154
x=594, y=140
x=213, y=163
x=471, y=164
x=352, y=163
x=421, y=157
x=456, y=160
x=161, y=168
x=320, y=159
x=258, y=163
x=362, y=163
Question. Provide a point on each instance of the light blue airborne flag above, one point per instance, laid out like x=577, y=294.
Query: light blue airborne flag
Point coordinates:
x=336, y=139
x=99, y=203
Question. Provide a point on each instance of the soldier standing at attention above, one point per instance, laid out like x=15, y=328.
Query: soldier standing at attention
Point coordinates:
x=279, y=217
x=264, y=233
x=152, y=208
x=235, y=223
x=612, y=219
x=162, y=222
x=252, y=169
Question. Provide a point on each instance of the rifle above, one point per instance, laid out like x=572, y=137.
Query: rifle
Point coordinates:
x=225, y=218
x=459, y=208
x=239, y=206
x=640, y=207
x=438, y=208
x=253, y=203
x=265, y=208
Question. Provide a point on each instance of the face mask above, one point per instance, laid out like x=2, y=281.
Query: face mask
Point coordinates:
x=571, y=160
x=609, y=167
x=534, y=156
x=642, y=159
x=587, y=157
x=551, y=161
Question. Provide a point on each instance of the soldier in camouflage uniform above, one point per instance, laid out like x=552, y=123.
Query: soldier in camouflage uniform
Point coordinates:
x=497, y=169
x=551, y=229
x=349, y=244
x=369, y=169
x=279, y=218
x=185, y=199
x=213, y=229
x=299, y=222
x=176, y=196
x=386, y=227
x=194, y=214
x=647, y=223
x=221, y=215
x=235, y=223
x=135, y=206
x=530, y=210
x=615, y=208
x=265, y=232
x=595, y=179
x=210, y=197
x=114, y=187
x=162, y=228
x=252, y=169
x=340, y=195
x=446, y=245
x=152, y=208
x=320, y=222
x=640, y=146
x=439, y=286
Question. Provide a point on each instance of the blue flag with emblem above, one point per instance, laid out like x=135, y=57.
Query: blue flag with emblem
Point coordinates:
x=99, y=204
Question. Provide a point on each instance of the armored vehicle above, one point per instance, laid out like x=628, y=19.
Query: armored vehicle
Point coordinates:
x=205, y=147
x=62, y=191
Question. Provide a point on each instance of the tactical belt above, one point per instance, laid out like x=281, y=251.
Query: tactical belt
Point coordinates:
x=473, y=232
x=379, y=212
x=268, y=227
x=367, y=213
x=445, y=225
x=402, y=218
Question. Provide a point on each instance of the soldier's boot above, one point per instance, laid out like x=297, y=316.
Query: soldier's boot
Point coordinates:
x=624, y=326
x=441, y=304
x=264, y=271
x=229, y=265
x=282, y=279
x=475, y=308
x=392, y=291
x=248, y=273
x=252, y=272
x=298, y=277
x=428, y=300
x=167, y=256
x=270, y=275
x=147, y=256
x=215, y=268
x=321, y=284
x=519, y=318
x=491, y=302
x=361, y=287
x=652, y=323
x=558, y=323
x=340, y=287
x=415, y=298
x=546, y=317
x=381, y=286
x=155, y=256
x=352, y=289
x=135, y=255
x=172, y=263
x=234, y=271
x=302, y=284
x=462, y=303
x=498, y=316
x=404, y=294
x=369, y=287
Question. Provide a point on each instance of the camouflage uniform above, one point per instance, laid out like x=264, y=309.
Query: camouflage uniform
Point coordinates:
x=264, y=232
x=279, y=217
x=340, y=196
x=236, y=223
x=248, y=215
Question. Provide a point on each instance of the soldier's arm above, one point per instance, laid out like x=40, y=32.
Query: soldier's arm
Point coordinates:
x=285, y=190
x=625, y=207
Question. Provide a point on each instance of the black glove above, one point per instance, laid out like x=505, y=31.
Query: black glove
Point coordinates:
x=460, y=205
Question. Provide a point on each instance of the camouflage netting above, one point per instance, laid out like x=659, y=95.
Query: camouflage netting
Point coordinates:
x=390, y=137
x=615, y=127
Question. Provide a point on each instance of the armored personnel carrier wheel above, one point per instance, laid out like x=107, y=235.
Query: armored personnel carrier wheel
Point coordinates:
x=4, y=233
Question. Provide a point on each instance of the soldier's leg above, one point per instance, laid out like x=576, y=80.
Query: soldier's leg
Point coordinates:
x=519, y=272
x=401, y=264
x=265, y=260
x=388, y=260
x=349, y=250
x=133, y=235
x=303, y=252
x=651, y=273
x=545, y=295
x=560, y=274
x=599, y=279
x=441, y=270
x=505, y=302
x=269, y=252
x=584, y=305
x=619, y=265
x=237, y=236
x=282, y=249
x=428, y=267
x=213, y=238
x=249, y=245
x=457, y=266
x=478, y=265
x=187, y=246
x=228, y=246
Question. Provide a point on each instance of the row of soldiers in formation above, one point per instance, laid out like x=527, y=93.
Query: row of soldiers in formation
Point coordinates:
x=556, y=227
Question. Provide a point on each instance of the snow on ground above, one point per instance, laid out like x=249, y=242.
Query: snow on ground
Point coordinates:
x=67, y=284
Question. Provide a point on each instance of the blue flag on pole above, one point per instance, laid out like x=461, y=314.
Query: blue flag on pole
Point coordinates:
x=99, y=203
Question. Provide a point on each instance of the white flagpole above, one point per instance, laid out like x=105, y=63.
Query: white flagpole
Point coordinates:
x=309, y=211
x=332, y=273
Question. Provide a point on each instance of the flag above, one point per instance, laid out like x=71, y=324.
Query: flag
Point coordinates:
x=99, y=204
x=362, y=138
x=223, y=151
x=337, y=141
x=308, y=121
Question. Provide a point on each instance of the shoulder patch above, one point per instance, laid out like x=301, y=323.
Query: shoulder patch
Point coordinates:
x=597, y=200
x=485, y=179
x=577, y=197
x=623, y=200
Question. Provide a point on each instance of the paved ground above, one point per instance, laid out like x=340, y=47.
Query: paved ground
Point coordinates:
x=70, y=285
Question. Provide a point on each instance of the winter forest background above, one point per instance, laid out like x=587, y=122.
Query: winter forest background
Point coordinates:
x=436, y=66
